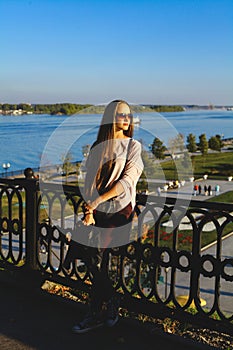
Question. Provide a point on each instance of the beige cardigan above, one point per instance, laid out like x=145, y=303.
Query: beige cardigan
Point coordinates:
x=127, y=173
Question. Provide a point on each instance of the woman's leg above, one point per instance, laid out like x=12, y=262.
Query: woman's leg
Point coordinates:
x=94, y=318
x=102, y=289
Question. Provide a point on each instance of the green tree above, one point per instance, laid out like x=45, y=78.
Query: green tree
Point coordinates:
x=26, y=107
x=176, y=144
x=186, y=166
x=215, y=143
x=67, y=165
x=149, y=165
x=191, y=143
x=78, y=166
x=152, y=171
x=14, y=107
x=158, y=149
x=203, y=144
x=219, y=137
x=6, y=107
x=166, y=108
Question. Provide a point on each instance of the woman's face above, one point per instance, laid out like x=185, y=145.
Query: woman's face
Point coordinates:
x=123, y=117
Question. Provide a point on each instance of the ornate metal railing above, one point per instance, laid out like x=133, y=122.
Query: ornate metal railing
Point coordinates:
x=171, y=267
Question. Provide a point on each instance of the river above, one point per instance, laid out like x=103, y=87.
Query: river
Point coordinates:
x=23, y=139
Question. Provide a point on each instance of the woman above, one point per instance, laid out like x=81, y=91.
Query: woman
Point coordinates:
x=114, y=166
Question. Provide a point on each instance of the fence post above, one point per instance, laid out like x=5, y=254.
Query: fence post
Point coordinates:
x=31, y=186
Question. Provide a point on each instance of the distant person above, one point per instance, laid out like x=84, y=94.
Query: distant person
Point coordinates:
x=195, y=189
x=217, y=190
x=159, y=191
x=29, y=173
x=209, y=190
x=206, y=190
x=199, y=190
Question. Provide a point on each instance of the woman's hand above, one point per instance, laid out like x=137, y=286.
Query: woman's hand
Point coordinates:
x=88, y=219
x=90, y=206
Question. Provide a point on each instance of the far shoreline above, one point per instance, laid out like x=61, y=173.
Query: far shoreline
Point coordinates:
x=63, y=109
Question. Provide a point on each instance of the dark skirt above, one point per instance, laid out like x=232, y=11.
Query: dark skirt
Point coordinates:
x=114, y=228
x=109, y=230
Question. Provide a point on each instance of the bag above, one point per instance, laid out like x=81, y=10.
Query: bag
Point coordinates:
x=85, y=247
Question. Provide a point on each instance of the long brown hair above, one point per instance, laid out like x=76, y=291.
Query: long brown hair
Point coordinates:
x=105, y=141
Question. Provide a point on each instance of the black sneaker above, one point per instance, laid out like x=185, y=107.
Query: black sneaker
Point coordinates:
x=88, y=323
x=112, y=315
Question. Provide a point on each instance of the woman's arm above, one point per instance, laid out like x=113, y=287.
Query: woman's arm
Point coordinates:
x=129, y=178
x=115, y=191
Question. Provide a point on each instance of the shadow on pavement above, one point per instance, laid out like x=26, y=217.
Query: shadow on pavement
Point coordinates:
x=35, y=321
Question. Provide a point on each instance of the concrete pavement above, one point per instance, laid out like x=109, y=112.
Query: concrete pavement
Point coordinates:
x=31, y=321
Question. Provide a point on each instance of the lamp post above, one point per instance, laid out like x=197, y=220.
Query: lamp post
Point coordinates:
x=6, y=166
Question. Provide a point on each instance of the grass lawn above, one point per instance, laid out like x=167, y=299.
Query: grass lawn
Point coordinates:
x=216, y=165
x=226, y=197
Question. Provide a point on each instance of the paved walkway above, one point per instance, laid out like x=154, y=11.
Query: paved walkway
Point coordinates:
x=30, y=321
x=186, y=191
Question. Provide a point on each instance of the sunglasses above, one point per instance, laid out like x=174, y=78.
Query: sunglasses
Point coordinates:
x=124, y=115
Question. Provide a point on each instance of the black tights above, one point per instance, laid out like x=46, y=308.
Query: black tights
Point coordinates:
x=113, y=225
x=102, y=289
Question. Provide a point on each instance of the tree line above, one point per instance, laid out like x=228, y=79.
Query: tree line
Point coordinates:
x=177, y=145
x=215, y=143
x=166, y=108
x=53, y=109
x=72, y=108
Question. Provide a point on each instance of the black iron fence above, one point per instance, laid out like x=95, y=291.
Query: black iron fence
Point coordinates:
x=174, y=266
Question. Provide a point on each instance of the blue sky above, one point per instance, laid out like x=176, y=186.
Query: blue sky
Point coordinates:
x=149, y=51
